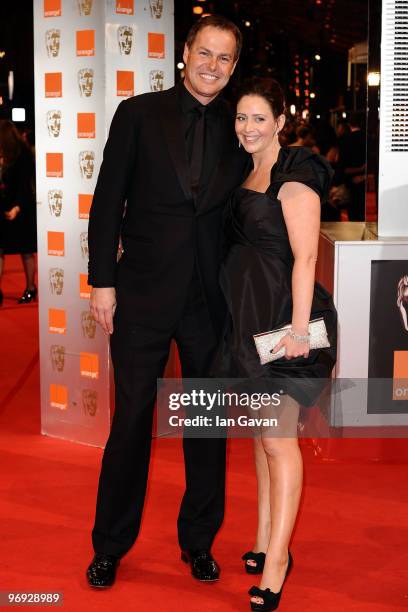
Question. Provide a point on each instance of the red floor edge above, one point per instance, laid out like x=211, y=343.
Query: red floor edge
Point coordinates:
x=349, y=545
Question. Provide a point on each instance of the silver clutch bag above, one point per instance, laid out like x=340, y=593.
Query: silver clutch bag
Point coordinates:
x=266, y=342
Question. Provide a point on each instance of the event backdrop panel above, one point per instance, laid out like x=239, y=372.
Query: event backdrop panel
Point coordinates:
x=89, y=55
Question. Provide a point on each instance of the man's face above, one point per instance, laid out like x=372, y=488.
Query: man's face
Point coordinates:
x=85, y=81
x=210, y=62
x=87, y=163
x=54, y=122
x=55, y=202
x=125, y=39
x=156, y=80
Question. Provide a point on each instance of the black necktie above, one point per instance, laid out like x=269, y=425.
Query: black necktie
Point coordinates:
x=197, y=153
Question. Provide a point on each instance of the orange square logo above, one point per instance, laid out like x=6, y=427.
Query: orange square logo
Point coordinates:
x=54, y=165
x=155, y=45
x=400, y=382
x=57, y=321
x=125, y=7
x=89, y=365
x=52, y=8
x=86, y=125
x=84, y=205
x=85, y=43
x=84, y=288
x=56, y=244
x=53, y=84
x=59, y=396
x=125, y=85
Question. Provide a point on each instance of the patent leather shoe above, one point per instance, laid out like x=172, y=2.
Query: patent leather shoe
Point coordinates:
x=28, y=296
x=203, y=565
x=101, y=573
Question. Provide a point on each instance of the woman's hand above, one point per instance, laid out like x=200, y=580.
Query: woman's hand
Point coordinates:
x=12, y=213
x=292, y=347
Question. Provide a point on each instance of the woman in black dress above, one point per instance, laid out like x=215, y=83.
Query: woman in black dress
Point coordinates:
x=268, y=278
x=18, y=231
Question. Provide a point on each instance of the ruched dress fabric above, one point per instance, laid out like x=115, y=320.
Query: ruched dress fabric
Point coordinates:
x=256, y=278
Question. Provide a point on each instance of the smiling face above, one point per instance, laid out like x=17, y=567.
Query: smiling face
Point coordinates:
x=210, y=61
x=255, y=125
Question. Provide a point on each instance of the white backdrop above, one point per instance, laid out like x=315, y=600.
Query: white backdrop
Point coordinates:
x=89, y=55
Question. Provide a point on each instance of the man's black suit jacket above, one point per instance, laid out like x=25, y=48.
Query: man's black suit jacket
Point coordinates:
x=163, y=226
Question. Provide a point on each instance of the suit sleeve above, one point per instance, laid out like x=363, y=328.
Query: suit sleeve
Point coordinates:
x=109, y=198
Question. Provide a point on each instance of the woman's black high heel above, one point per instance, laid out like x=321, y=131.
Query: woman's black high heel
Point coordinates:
x=28, y=296
x=270, y=600
x=258, y=558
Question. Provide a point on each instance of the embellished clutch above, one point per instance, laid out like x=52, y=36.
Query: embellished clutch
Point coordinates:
x=266, y=341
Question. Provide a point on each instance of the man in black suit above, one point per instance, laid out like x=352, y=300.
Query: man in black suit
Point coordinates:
x=173, y=157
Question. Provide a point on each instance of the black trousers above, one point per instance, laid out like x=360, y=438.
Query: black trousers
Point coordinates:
x=139, y=356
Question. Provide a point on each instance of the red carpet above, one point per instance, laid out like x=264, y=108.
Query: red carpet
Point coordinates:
x=349, y=547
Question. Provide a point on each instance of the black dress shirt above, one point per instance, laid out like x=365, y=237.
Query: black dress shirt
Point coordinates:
x=189, y=105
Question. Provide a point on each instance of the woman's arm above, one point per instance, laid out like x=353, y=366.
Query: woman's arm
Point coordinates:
x=301, y=210
x=404, y=316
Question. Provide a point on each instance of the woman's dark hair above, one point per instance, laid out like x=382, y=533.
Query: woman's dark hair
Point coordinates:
x=216, y=21
x=11, y=141
x=269, y=90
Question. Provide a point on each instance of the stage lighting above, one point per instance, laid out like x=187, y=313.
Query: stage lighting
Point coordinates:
x=180, y=65
x=18, y=114
x=373, y=79
x=317, y=57
x=292, y=109
x=198, y=10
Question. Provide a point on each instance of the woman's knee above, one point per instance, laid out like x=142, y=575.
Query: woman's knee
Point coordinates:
x=277, y=447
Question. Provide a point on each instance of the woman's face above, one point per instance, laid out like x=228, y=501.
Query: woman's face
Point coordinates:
x=256, y=127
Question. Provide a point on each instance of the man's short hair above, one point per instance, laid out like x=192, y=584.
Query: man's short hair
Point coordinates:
x=216, y=21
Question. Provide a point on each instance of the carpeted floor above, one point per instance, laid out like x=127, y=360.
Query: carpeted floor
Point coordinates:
x=349, y=546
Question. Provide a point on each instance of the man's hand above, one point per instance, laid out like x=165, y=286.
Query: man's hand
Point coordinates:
x=12, y=213
x=103, y=305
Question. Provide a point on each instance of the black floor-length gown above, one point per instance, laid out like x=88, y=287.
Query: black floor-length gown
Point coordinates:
x=256, y=279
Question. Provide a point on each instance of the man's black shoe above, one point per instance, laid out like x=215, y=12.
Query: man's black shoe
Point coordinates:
x=101, y=573
x=203, y=566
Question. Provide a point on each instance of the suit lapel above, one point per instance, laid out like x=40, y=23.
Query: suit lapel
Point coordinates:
x=171, y=120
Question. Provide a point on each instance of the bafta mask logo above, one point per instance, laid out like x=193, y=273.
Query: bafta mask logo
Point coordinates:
x=55, y=202
x=402, y=300
x=125, y=39
x=88, y=324
x=53, y=42
x=85, y=81
x=85, y=7
x=87, y=164
x=54, y=122
x=57, y=354
x=83, y=237
x=56, y=277
x=89, y=401
x=156, y=80
x=156, y=8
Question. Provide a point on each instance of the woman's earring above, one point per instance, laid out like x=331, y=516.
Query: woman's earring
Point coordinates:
x=239, y=144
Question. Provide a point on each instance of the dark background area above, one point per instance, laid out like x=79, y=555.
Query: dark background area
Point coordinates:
x=281, y=41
